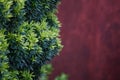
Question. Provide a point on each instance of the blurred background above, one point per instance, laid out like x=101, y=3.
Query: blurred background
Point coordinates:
x=90, y=34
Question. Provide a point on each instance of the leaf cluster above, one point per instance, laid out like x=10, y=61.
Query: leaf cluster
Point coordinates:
x=29, y=37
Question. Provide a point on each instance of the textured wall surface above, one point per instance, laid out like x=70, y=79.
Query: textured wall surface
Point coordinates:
x=91, y=37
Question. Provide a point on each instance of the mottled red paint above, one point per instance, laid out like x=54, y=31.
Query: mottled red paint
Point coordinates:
x=91, y=37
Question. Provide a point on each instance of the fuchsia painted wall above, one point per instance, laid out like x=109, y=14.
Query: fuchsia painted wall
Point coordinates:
x=91, y=37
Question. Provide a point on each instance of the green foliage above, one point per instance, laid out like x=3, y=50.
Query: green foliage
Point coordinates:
x=47, y=69
x=29, y=37
x=63, y=76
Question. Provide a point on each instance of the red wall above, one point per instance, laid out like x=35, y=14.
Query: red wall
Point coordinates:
x=91, y=37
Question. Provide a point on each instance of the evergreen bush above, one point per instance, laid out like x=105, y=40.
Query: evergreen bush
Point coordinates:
x=29, y=37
